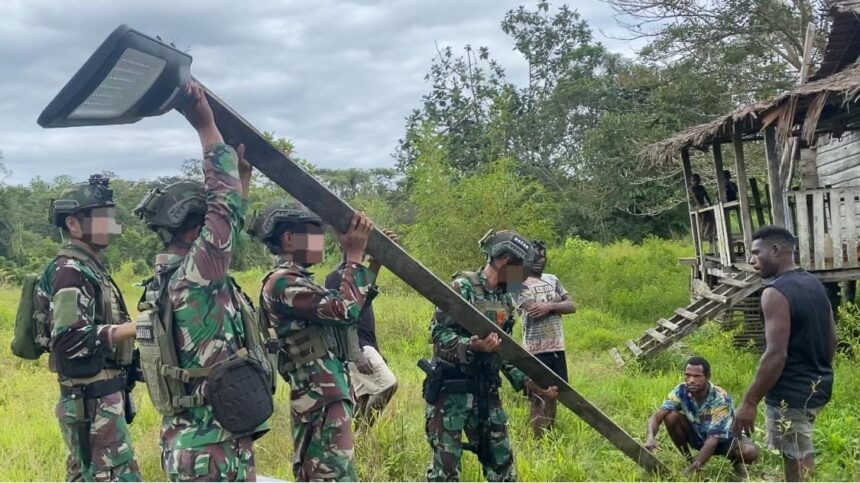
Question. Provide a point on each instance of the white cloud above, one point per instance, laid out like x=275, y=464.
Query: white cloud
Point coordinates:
x=337, y=78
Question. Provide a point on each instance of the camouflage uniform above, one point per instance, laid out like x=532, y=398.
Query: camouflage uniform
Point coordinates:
x=454, y=413
x=71, y=288
x=208, y=330
x=321, y=402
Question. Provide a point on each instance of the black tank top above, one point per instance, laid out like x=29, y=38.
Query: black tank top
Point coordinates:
x=807, y=379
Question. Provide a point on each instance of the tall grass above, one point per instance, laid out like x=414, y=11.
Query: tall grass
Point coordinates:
x=620, y=289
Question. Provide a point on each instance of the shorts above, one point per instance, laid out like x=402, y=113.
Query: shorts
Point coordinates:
x=789, y=430
x=376, y=382
x=556, y=361
x=723, y=447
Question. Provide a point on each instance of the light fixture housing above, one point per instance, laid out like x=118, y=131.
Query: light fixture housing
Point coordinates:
x=129, y=77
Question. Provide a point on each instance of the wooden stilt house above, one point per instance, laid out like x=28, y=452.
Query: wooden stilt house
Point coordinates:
x=812, y=154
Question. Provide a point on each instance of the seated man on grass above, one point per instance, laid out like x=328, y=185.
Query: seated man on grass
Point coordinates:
x=699, y=414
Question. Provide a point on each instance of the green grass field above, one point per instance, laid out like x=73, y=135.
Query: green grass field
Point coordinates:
x=619, y=292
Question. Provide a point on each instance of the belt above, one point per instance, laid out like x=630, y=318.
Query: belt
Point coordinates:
x=95, y=389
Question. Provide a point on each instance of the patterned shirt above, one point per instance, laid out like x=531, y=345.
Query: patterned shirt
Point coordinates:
x=293, y=301
x=207, y=323
x=712, y=417
x=545, y=334
x=451, y=340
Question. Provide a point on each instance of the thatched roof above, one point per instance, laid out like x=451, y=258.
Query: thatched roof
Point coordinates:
x=843, y=43
x=835, y=84
x=803, y=104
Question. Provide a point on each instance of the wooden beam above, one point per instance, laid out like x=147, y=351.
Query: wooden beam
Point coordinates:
x=634, y=348
x=687, y=314
x=300, y=184
x=756, y=194
x=717, y=151
x=694, y=219
x=777, y=208
x=743, y=196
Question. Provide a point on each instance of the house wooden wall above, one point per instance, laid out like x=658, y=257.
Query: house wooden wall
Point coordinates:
x=838, y=160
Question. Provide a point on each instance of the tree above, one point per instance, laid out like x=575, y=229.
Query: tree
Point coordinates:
x=754, y=46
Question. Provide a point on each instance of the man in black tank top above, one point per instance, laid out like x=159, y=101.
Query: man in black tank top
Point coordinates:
x=795, y=373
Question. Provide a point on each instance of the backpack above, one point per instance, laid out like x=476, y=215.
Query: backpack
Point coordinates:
x=239, y=390
x=32, y=326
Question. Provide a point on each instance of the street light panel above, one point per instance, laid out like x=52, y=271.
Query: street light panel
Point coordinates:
x=129, y=77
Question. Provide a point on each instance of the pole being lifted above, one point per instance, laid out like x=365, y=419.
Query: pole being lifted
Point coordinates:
x=161, y=73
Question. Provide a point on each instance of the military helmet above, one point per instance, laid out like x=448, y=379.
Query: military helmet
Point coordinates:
x=506, y=243
x=263, y=225
x=167, y=209
x=92, y=194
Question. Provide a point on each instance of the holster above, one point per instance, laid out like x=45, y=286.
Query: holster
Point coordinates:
x=433, y=383
x=82, y=422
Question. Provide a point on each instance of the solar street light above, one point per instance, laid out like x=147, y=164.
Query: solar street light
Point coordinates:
x=129, y=77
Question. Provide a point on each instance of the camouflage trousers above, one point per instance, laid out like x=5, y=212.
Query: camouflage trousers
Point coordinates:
x=323, y=444
x=231, y=460
x=454, y=414
x=102, y=422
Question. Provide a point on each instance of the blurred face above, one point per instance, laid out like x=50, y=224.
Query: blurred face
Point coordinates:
x=763, y=257
x=695, y=378
x=510, y=272
x=307, y=248
x=97, y=227
x=539, y=264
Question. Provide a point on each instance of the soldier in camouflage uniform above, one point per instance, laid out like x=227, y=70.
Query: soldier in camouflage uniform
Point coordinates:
x=91, y=338
x=315, y=327
x=199, y=234
x=468, y=398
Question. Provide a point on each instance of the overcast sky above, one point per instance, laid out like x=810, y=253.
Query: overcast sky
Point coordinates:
x=338, y=78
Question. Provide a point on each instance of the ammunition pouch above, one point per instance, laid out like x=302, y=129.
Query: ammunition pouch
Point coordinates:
x=306, y=345
x=239, y=391
x=79, y=367
x=347, y=348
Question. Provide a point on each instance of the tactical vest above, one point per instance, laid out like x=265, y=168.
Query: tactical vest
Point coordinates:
x=498, y=311
x=165, y=379
x=110, y=309
x=312, y=342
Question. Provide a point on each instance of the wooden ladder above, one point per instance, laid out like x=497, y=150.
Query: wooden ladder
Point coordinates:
x=710, y=303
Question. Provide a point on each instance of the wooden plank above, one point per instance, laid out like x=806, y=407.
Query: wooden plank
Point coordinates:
x=818, y=230
x=634, y=348
x=803, y=229
x=299, y=183
x=656, y=335
x=756, y=198
x=777, y=207
x=617, y=357
x=692, y=262
x=691, y=316
x=734, y=282
x=717, y=152
x=836, y=221
x=669, y=325
x=851, y=228
x=808, y=172
x=723, y=242
x=694, y=218
x=715, y=297
x=746, y=267
x=743, y=195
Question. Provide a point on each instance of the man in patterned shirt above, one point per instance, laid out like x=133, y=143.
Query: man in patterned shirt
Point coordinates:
x=207, y=320
x=542, y=302
x=699, y=414
x=316, y=329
